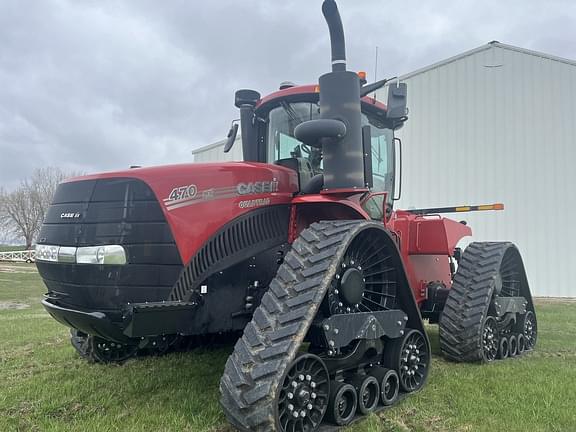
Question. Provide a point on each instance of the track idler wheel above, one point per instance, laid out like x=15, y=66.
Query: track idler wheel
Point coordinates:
x=512, y=346
x=104, y=351
x=389, y=384
x=409, y=356
x=342, y=403
x=489, y=339
x=521, y=343
x=503, y=348
x=303, y=398
x=368, y=390
x=530, y=330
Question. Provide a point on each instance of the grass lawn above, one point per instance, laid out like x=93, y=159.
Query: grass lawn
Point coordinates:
x=45, y=386
x=8, y=248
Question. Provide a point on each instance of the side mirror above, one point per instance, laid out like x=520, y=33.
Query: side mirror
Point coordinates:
x=246, y=97
x=231, y=137
x=397, y=100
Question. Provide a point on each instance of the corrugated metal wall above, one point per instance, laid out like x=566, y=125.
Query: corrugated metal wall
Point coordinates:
x=215, y=152
x=500, y=126
x=495, y=126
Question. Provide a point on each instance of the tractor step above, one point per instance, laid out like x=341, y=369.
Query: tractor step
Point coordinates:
x=159, y=318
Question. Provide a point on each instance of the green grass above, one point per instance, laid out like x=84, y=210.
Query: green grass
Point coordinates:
x=45, y=386
x=9, y=248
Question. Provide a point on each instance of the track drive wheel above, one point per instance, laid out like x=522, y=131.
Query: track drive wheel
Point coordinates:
x=486, y=271
x=409, y=355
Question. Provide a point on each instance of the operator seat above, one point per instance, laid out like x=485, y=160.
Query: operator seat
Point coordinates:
x=307, y=181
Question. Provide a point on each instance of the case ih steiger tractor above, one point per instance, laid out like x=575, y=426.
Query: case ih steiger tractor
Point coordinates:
x=299, y=247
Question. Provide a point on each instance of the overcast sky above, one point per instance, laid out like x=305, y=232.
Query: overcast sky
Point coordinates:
x=100, y=85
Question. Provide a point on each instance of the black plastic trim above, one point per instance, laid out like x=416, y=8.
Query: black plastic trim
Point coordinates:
x=240, y=239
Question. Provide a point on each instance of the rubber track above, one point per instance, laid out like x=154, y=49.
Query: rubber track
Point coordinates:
x=272, y=339
x=469, y=299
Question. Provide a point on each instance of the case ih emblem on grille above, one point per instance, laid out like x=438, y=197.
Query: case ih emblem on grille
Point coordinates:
x=69, y=215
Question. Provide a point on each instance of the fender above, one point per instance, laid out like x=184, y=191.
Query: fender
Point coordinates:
x=307, y=209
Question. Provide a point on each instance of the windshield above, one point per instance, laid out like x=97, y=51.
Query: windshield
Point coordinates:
x=282, y=145
x=281, y=141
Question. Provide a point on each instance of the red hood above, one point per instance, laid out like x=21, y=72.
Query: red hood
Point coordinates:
x=198, y=199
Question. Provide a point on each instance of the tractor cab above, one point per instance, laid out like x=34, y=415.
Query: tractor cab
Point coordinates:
x=269, y=136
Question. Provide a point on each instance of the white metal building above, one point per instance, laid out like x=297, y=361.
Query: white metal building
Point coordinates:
x=494, y=124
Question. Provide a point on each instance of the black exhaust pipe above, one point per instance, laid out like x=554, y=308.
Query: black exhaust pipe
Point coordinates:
x=332, y=16
x=339, y=130
x=340, y=100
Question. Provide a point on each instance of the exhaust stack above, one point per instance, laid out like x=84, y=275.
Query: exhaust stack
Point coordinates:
x=337, y=43
x=338, y=131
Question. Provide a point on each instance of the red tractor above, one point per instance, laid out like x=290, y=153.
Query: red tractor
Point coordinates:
x=299, y=248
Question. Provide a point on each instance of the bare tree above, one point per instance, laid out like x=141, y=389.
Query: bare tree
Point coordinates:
x=22, y=211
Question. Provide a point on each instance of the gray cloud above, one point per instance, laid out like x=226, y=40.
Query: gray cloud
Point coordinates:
x=99, y=85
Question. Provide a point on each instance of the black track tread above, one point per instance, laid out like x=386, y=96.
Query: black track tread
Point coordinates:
x=272, y=339
x=468, y=301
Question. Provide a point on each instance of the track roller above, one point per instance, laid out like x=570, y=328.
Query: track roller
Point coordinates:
x=521, y=343
x=368, y=390
x=389, y=384
x=512, y=345
x=503, y=346
x=342, y=403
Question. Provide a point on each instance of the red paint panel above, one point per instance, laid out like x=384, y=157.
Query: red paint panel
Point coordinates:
x=422, y=241
x=310, y=89
x=435, y=236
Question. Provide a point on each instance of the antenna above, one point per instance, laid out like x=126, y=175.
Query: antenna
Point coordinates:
x=376, y=69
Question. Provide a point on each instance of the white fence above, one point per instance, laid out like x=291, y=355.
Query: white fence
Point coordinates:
x=18, y=256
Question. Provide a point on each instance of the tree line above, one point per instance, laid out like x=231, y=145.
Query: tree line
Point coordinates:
x=22, y=210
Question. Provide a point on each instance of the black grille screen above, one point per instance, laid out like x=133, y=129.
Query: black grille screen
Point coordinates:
x=119, y=211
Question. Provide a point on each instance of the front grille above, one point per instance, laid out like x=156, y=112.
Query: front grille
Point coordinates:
x=120, y=211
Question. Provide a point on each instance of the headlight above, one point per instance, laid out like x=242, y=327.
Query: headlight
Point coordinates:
x=47, y=253
x=108, y=254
